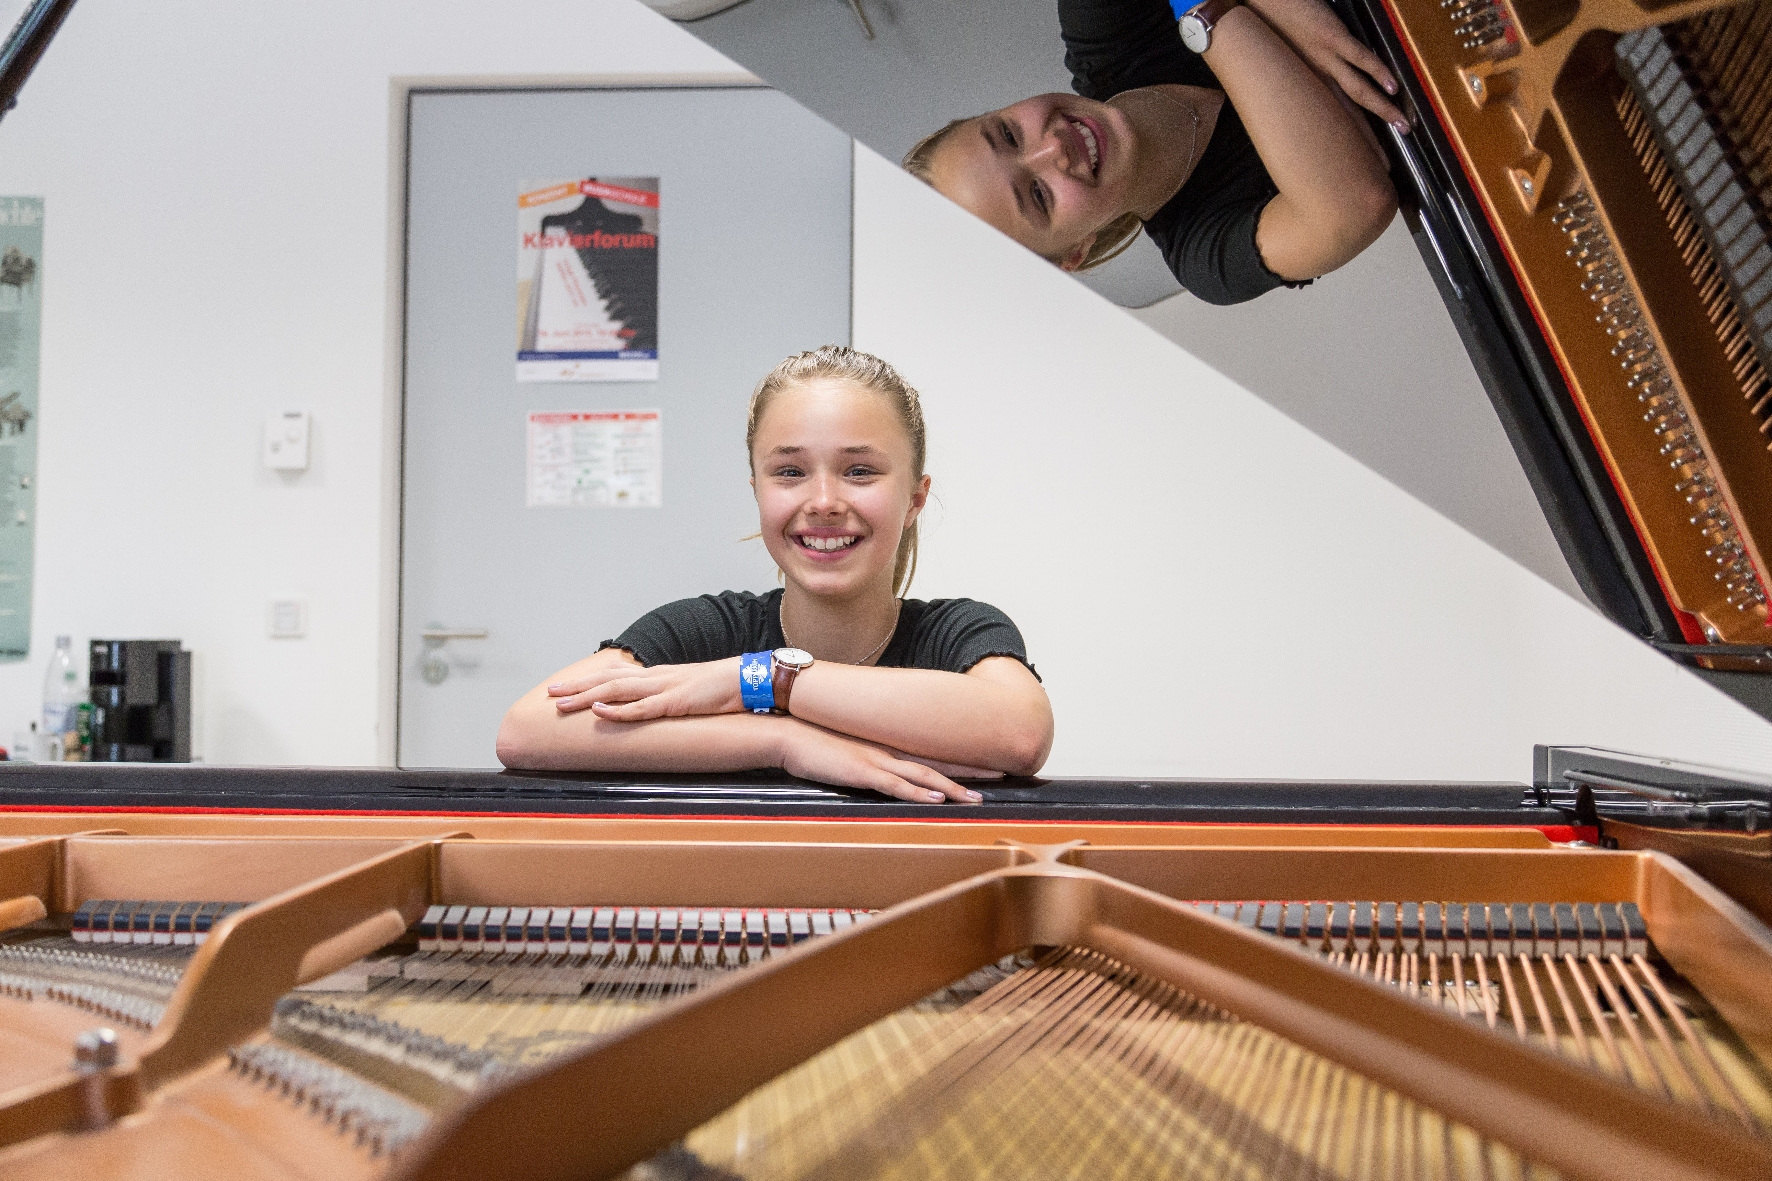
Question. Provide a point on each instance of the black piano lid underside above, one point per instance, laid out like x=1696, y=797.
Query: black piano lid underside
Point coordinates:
x=196, y=787
x=1518, y=370
x=1516, y=367
x=1512, y=358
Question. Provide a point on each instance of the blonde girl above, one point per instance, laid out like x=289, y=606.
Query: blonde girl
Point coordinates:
x=835, y=677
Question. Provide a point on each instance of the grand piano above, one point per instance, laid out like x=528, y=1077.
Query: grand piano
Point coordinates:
x=208, y=971
x=236, y=972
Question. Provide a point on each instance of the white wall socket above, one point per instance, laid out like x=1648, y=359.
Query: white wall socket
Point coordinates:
x=286, y=619
x=286, y=441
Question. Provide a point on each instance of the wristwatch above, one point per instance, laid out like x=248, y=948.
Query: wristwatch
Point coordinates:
x=1197, y=25
x=787, y=663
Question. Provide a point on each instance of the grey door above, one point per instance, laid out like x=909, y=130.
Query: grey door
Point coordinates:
x=754, y=264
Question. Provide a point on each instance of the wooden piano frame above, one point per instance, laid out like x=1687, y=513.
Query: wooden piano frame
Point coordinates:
x=954, y=898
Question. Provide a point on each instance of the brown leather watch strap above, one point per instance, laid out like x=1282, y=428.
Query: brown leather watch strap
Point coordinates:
x=1211, y=12
x=784, y=675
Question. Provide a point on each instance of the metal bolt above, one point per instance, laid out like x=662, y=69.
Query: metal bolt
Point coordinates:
x=1476, y=86
x=1526, y=185
x=96, y=1049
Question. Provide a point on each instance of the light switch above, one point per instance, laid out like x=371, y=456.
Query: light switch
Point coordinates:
x=286, y=441
x=286, y=619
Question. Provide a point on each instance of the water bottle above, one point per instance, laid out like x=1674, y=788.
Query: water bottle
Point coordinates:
x=61, y=692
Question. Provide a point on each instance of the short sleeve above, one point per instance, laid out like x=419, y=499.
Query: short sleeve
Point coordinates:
x=1215, y=255
x=955, y=634
x=709, y=627
x=1207, y=231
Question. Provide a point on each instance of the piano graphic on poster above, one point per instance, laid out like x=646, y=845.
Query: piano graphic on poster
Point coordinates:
x=587, y=280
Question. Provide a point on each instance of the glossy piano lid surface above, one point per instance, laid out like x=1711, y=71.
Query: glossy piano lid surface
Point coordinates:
x=758, y=793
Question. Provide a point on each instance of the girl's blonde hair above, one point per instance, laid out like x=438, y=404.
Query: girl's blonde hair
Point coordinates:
x=843, y=363
x=1111, y=240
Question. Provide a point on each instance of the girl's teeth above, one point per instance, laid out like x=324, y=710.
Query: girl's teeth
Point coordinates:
x=1089, y=142
x=827, y=544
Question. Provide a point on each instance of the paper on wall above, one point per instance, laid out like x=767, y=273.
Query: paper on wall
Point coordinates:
x=587, y=280
x=599, y=458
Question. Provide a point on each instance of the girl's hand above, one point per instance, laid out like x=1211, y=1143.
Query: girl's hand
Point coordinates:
x=825, y=757
x=629, y=693
x=1317, y=35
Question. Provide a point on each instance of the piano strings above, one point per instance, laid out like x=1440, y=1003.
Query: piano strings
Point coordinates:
x=1047, y=1064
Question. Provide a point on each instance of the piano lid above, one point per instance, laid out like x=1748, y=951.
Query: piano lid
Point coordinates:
x=1590, y=196
x=25, y=45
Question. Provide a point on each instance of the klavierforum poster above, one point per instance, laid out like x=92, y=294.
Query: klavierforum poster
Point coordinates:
x=587, y=280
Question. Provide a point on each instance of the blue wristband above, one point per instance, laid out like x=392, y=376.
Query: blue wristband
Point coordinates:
x=1182, y=7
x=756, y=681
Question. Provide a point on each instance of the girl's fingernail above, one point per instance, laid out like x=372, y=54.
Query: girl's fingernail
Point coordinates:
x=1401, y=126
x=1390, y=85
x=936, y=797
x=555, y=688
x=973, y=796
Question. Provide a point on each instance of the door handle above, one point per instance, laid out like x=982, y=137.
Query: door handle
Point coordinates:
x=436, y=635
x=434, y=668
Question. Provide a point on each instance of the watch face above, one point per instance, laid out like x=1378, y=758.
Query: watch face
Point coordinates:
x=796, y=657
x=1195, y=34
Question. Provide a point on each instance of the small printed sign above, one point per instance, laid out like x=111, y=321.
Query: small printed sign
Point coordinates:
x=596, y=458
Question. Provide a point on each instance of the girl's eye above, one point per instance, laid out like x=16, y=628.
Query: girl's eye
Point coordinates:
x=1042, y=200
x=1008, y=134
x=859, y=471
x=788, y=472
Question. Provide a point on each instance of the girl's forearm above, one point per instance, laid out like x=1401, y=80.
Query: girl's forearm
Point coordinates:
x=535, y=736
x=1334, y=194
x=991, y=722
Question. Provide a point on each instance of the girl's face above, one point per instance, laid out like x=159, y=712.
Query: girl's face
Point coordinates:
x=1049, y=171
x=832, y=468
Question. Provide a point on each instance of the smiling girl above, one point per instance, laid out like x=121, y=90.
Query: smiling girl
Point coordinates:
x=1233, y=139
x=835, y=677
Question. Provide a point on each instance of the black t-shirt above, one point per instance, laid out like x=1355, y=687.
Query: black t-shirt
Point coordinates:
x=950, y=635
x=1207, y=230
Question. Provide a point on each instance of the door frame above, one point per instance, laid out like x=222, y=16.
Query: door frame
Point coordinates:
x=390, y=655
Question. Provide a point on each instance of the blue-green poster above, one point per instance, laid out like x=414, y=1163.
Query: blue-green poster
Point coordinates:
x=21, y=320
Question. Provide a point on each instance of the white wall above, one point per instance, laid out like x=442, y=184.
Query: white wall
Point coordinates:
x=1367, y=358
x=1208, y=588
x=215, y=251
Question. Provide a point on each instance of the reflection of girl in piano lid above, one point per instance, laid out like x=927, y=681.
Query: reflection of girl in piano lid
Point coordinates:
x=1246, y=167
x=858, y=685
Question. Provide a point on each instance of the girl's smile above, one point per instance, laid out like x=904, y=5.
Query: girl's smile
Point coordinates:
x=827, y=545
x=835, y=488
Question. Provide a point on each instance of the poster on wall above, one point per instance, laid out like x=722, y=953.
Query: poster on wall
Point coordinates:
x=596, y=458
x=587, y=280
x=21, y=321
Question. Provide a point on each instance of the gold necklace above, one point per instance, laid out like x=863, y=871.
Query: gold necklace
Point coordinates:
x=1194, y=143
x=872, y=652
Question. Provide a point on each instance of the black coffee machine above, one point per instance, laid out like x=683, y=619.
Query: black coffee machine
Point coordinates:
x=141, y=701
